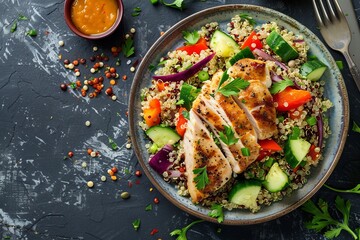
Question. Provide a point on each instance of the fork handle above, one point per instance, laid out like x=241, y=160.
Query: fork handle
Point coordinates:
x=354, y=70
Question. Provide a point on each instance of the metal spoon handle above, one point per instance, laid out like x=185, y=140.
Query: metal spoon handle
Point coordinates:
x=354, y=70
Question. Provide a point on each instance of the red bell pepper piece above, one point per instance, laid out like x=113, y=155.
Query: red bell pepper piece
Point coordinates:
x=267, y=147
x=313, y=154
x=252, y=42
x=196, y=48
x=152, y=114
x=181, y=123
x=291, y=98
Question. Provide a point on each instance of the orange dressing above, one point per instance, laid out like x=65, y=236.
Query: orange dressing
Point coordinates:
x=94, y=16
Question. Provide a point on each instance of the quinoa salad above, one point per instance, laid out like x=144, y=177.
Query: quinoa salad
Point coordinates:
x=236, y=117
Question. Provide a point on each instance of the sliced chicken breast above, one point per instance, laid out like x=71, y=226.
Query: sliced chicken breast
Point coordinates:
x=251, y=69
x=258, y=104
x=201, y=150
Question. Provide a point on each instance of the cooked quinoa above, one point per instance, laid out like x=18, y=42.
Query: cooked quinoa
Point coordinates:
x=239, y=29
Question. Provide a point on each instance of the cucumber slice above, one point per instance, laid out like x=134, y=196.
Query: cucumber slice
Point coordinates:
x=295, y=151
x=161, y=135
x=276, y=179
x=283, y=49
x=245, y=193
x=188, y=94
x=244, y=53
x=223, y=45
x=313, y=70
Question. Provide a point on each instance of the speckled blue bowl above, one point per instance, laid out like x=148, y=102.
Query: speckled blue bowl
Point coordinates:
x=335, y=90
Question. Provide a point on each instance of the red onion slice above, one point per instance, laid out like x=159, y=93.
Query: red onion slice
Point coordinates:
x=266, y=56
x=160, y=161
x=320, y=127
x=184, y=75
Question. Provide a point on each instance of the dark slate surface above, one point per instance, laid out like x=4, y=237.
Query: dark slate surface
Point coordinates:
x=43, y=196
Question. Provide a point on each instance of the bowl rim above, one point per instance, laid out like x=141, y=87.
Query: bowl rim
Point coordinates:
x=134, y=125
x=74, y=29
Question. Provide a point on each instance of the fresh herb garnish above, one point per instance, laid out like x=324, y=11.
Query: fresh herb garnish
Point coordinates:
x=153, y=2
x=224, y=77
x=340, y=65
x=177, y=4
x=355, y=127
x=295, y=133
x=323, y=220
x=148, y=207
x=356, y=189
x=201, y=178
x=234, y=87
x=182, y=232
x=32, y=33
x=22, y=18
x=128, y=47
x=180, y=102
x=217, y=212
x=245, y=151
x=248, y=18
x=13, y=27
x=191, y=37
x=72, y=85
x=151, y=67
x=162, y=63
x=113, y=145
x=186, y=114
x=227, y=136
x=136, y=224
x=280, y=86
x=136, y=11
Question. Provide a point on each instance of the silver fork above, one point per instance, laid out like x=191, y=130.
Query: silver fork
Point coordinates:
x=336, y=32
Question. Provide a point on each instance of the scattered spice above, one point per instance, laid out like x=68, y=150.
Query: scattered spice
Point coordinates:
x=87, y=123
x=63, y=87
x=83, y=164
x=103, y=178
x=114, y=169
x=114, y=178
x=154, y=231
x=70, y=154
x=156, y=200
x=138, y=173
x=61, y=43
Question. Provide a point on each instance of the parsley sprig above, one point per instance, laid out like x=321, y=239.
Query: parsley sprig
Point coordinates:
x=228, y=136
x=201, y=178
x=280, y=86
x=323, y=220
x=182, y=232
x=356, y=189
x=128, y=47
x=217, y=212
x=233, y=87
x=355, y=127
x=136, y=224
x=191, y=37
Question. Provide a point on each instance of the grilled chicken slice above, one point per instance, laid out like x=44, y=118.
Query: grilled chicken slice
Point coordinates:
x=251, y=69
x=258, y=104
x=201, y=150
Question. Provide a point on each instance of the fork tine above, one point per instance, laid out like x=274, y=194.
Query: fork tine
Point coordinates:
x=333, y=16
x=317, y=14
x=338, y=9
x=324, y=13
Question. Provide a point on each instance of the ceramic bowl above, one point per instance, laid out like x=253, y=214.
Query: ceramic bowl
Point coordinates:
x=69, y=22
x=335, y=90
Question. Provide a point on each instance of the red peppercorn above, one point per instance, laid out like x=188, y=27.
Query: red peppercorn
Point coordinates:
x=156, y=200
x=108, y=75
x=76, y=62
x=114, y=169
x=101, y=79
x=112, y=70
x=96, y=65
x=96, y=81
x=66, y=61
x=70, y=154
x=78, y=83
x=138, y=173
x=82, y=60
x=92, y=58
x=89, y=151
x=113, y=75
x=91, y=95
x=63, y=86
x=109, y=91
x=106, y=58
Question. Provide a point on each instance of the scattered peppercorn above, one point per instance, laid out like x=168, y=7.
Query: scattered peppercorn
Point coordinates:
x=109, y=91
x=66, y=61
x=82, y=60
x=90, y=184
x=156, y=200
x=114, y=178
x=138, y=173
x=63, y=86
x=70, y=154
x=125, y=195
x=114, y=169
x=89, y=151
x=87, y=123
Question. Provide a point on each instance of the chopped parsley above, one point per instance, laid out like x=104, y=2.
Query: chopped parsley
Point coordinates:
x=128, y=47
x=201, y=178
x=136, y=224
x=191, y=37
x=113, y=145
x=234, y=87
x=217, y=212
x=148, y=207
x=340, y=65
x=13, y=27
x=186, y=114
x=223, y=79
x=227, y=136
x=177, y=4
x=355, y=127
x=136, y=11
x=180, y=102
x=248, y=18
x=22, y=17
x=32, y=33
x=245, y=151
x=280, y=86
